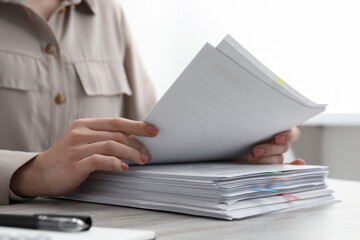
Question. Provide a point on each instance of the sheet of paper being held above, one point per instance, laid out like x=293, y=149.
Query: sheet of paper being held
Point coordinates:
x=221, y=105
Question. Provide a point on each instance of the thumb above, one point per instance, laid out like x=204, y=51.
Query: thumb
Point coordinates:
x=297, y=162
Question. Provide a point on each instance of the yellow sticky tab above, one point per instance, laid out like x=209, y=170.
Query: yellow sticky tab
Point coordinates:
x=280, y=82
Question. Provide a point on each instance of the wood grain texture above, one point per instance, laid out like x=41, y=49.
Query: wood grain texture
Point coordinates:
x=339, y=221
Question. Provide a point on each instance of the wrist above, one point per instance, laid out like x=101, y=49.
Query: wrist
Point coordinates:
x=26, y=182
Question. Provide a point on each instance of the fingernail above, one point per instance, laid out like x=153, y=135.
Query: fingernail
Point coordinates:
x=252, y=157
x=152, y=130
x=280, y=139
x=124, y=166
x=144, y=158
x=259, y=151
x=149, y=156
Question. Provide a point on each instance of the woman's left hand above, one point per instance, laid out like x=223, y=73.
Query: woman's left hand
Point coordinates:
x=271, y=152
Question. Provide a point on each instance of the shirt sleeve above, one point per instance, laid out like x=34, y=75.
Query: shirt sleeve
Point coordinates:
x=16, y=198
x=143, y=96
x=10, y=161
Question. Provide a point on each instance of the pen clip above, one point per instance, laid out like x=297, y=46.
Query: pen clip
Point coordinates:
x=63, y=223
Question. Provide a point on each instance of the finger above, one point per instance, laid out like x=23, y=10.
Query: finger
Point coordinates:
x=101, y=162
x=242, y=159
x=123, y=125
x=115, y=149
x=287, y=136
x=274, y=159
x=100, y=136
x=268, y=149
x=297, y=162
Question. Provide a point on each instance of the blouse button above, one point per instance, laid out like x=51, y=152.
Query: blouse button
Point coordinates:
x=62, y=10
x=60, y=98
x=49, y=49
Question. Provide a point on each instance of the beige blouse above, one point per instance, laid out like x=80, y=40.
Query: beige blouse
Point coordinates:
x=80, y=64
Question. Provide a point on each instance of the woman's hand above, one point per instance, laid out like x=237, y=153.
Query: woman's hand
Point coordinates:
x=273, y=150
x=88, y=145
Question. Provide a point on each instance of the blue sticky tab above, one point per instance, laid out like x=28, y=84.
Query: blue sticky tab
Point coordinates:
x=265, y=190
x=270, y=186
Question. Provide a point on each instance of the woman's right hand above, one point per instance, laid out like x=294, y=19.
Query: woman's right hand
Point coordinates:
x=88, y=145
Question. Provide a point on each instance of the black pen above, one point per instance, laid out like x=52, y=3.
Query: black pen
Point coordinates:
x=51, y=222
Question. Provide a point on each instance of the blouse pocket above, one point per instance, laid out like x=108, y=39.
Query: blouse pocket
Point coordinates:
x=103, y=84
x=19, y=80
x=18, y=71
x=103, y=79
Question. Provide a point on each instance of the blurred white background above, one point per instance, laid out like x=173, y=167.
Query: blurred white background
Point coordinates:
x=314, y=45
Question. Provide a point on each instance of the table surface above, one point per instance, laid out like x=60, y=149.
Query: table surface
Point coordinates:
x=338, y=221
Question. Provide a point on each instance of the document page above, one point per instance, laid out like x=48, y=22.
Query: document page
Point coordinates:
x=217, y=170
x=231, y=48
x=226, y=190
x=218, y=109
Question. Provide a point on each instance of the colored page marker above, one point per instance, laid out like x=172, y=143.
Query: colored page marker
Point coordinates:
x=280, y=82
x=290, y=196
x=281, y=178
x=273, y=172
x=265, y=190
x=271, y=186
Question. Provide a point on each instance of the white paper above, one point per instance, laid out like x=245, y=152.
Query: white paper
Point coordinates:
x=231, y=48
x=225, y=190
x=217, y=170
x=218, y=109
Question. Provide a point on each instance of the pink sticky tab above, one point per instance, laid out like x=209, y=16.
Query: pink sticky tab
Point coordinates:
x=281, y=178
x=290, y=196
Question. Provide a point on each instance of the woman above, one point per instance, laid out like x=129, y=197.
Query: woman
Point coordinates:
x=70, y=81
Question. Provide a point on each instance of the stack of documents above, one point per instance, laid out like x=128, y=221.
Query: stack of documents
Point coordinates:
x=227, y=190
x=223, y=103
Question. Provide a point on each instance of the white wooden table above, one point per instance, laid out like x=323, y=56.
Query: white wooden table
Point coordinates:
x=340, y=221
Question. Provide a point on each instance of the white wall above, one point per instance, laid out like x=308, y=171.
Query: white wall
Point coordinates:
x=311, y=44
x=314, y=45
x=335, y=146
x=341, y=151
